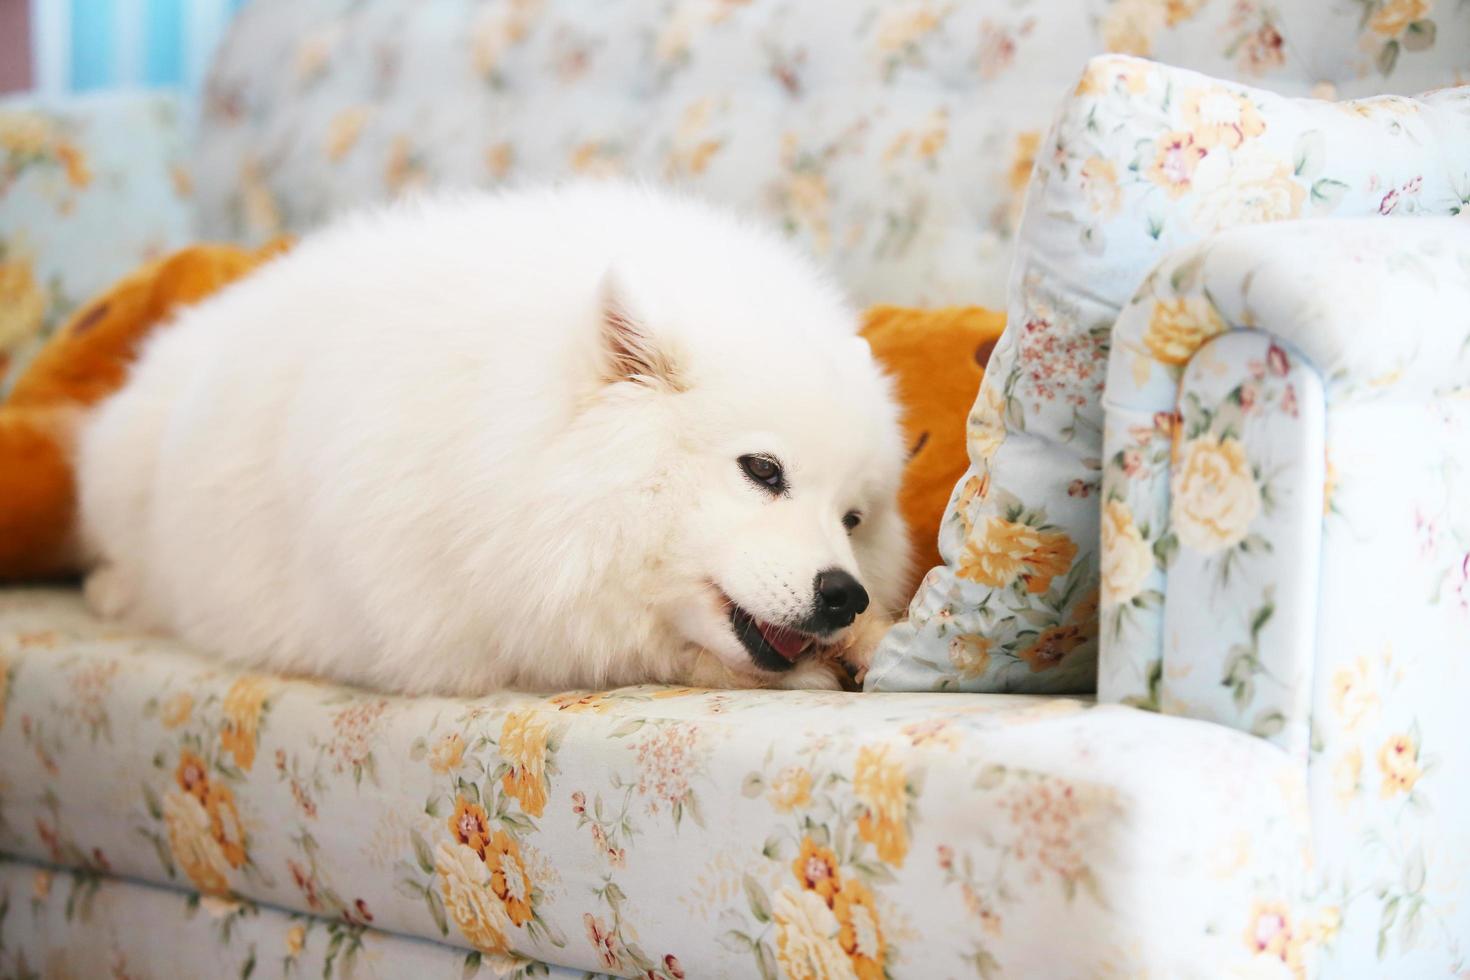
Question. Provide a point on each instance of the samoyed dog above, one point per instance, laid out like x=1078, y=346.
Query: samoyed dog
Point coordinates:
x=561, y=438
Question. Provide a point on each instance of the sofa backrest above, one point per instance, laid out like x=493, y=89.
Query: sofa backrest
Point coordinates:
x=892, y=138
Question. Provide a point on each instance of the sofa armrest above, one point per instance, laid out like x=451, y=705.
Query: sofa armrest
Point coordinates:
x=1235, y=370
x=90, y=187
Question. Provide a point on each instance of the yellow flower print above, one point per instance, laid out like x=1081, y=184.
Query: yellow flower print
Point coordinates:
x=243, y=704
x=192, y=775
x=901, y=25
x=986, y=428
x=1100, y=186
x=926, y=141
x=1329, y=481
x=1053, y=645
x=1130, y=26
x=258, y=203
x=447, y=754
x=1215, y=496
x=497, y=30
x=177, y=710
x=1023, y=162
x=1127, y=559
x=314, y=53
x=295, y=941
x=933, y=135
x=465, y=887
x=218, y=907
x=1253, y=187
x=508, y=877
x=344, y=129
x=692, y=148
x=1269, y=933
x=816, y=868
x=934, y=732
x=73, y=163
x=192, y=843
x=969, y=655
x=806, y=938
x=1178, y=11
x=1327, y=924
x=1394, y=16
x=1353, y=697
x=499, y=158
x=404, y=169
x=224, y=824
x=24, y=133
x=22, y=303
x=859, y=932
x=523, y=745
x=1175, y=161
x=597, y=703
x=1134, y=77
x=1005, y=552
x=1398, y=761
x=1178, y=327
x=810, y=201
x=1023, y=159
x=595, y=158
x=790, y=790
x=974, y=488
x=880, y=786
x=1346, y=776
x=1217, y=116
x=470, y=826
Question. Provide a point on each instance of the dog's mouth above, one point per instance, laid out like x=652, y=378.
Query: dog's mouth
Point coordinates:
x=771, y=647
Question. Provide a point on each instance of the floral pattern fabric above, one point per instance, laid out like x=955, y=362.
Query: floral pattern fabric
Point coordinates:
x=655, y=832
x=77, y=923
x=90, y=188
x=1212, y=498
x=892, y=139
x=1286, y=540
x=1143, y=159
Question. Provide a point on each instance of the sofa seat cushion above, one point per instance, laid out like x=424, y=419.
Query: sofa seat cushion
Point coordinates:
x=657, y=831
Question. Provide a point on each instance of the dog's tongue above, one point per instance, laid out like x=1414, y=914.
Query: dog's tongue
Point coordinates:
x=788, y=643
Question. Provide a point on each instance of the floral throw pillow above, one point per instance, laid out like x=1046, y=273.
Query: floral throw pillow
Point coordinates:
x=1142, y=159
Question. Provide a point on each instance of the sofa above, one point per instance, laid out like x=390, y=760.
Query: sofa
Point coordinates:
x=1272, y=778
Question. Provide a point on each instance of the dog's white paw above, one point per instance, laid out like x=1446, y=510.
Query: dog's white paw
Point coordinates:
x=108, y=592
x=861, y=643
x=812, y=675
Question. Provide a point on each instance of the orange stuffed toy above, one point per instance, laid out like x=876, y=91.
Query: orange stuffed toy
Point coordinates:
x=936, y=356
x=82, y=363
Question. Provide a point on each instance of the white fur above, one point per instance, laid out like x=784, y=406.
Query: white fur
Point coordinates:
x=395, y=456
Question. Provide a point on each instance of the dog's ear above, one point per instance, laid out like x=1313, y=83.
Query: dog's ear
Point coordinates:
x=630, y=353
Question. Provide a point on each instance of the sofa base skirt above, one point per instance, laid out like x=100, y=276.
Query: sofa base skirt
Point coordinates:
x=56, y=923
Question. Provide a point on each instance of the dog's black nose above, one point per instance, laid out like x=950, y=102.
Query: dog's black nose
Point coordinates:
x=840, y=598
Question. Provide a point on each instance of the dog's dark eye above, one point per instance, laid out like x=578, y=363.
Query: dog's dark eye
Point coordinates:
x=851, y=520
x=765, y=471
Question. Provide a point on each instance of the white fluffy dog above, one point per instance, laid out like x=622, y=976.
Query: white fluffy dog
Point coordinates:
x=563, y=438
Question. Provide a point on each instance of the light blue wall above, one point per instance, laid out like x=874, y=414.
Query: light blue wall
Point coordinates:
x=85, y=45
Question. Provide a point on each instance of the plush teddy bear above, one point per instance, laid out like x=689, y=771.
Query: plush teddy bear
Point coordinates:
x=937, y=358
x=82, y=363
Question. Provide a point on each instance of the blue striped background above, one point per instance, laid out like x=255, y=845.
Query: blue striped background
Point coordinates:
x=85, y=45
